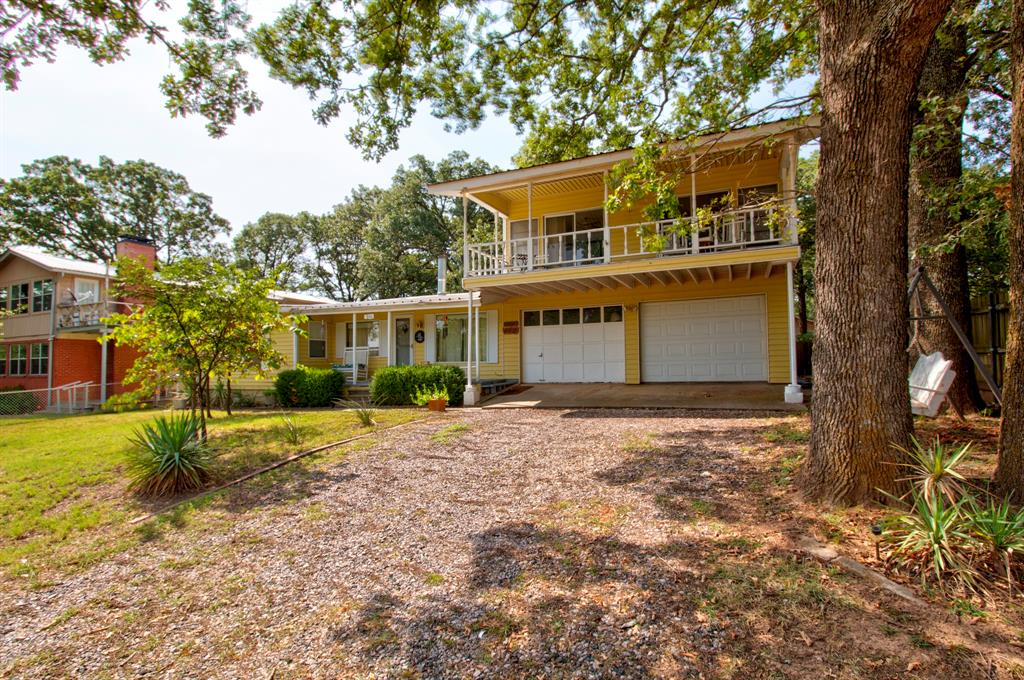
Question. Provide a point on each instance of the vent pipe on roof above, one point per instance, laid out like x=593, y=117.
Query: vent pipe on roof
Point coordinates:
x=442, y=274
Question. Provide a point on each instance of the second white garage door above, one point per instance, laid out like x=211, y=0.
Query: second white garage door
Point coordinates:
x=716, y=339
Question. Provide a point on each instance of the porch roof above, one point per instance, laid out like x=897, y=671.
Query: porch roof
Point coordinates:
x=413, y=302
x=803, y=128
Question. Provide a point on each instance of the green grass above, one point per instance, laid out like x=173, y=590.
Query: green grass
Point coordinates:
x=445, y=434
x=63, y=501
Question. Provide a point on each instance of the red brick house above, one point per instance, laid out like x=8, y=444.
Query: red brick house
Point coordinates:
x=50, y=337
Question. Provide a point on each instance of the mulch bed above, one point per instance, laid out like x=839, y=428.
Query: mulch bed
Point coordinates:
x=530, y=543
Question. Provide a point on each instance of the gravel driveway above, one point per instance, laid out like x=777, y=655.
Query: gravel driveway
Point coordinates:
x=527, y=543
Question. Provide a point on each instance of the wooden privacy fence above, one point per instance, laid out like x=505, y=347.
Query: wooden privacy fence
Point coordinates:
x=989, y=317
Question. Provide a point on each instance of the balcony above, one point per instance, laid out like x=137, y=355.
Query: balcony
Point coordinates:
x=736, y=230
x=85, y=316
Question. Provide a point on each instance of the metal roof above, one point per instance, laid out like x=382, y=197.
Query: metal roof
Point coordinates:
x=411, y=302
x=54, y=263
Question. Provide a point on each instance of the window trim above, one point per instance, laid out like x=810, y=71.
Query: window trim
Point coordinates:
x=489, y=345
x=26, y=304
x=322, y=339
x=3, y=360
x=46, y=298
x=43, y=361
x=22, y=358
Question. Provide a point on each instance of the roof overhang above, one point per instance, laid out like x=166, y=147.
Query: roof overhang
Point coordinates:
x=683, y=270
x=406, y=304
x=799, y=129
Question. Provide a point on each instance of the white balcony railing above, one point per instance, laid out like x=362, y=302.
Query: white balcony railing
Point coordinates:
x=734, y=230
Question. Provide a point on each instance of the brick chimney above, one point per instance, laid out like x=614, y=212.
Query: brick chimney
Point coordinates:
x=134, y=246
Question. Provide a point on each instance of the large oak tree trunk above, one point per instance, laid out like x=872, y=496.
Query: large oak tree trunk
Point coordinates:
x=871, y=55
x=936, y=168
x=1010, y=471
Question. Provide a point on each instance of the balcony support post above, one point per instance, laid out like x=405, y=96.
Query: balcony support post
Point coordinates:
x=469, y=396
x=694, y=233
x=529, y=226
x=607, y=231
x=103, y=367
x=793, y=394
x=355, y=341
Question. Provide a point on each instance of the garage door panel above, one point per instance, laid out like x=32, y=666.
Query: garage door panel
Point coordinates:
x=712, y=339
x=575, y=352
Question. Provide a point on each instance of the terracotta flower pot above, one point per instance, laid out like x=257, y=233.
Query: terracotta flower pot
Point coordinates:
x=437, y=404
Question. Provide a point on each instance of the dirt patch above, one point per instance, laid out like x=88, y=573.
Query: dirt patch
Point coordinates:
x=525, y=543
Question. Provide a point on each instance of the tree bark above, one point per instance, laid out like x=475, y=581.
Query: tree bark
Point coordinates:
x=871, y=54
x=936, y=168
x=1010, y=470
x=227, y=406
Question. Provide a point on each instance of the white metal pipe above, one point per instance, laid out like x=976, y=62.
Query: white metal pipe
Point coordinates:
x=391, y=343
x=465, y=236
x=529, y=225
x=476, y=326
x=355, y=374
x=694, y=235
x=469, y=353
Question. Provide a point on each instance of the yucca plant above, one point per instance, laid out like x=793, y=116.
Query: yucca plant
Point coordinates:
x=365, y=413
x=291, y=431
x=932, y=538
x=169, y=456
x=933, y=469
x=999, y=529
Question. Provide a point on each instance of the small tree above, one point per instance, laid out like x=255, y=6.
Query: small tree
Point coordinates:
x=193, y=319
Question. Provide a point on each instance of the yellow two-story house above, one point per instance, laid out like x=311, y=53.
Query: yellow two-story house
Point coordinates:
x=565, y=291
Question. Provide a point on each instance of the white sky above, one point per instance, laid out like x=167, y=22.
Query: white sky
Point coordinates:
x=277, y=160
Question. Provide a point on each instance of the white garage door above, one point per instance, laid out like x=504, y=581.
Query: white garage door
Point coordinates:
x=717, y=339
x=574, y=345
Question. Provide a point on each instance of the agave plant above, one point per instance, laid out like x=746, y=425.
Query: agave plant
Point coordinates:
x=1000, y=529
x=290, y=430
x=169, y=455
x=933, y=469
x=365, y=413
x=932, y=538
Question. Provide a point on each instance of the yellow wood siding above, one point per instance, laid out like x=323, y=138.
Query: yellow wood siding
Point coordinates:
x=508, y=362
x=773, y=288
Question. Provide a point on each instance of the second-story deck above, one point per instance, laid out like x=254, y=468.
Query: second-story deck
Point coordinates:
x=735, y=230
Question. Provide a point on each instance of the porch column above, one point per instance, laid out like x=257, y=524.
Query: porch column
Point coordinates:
x=469, y=395
x=103, y=366
x=391, y=343
x=529, y=225
x=465, y=235
x=607, y=232
x=295, y=350
x=794, y=395
x=476, y=342
x=355, y=341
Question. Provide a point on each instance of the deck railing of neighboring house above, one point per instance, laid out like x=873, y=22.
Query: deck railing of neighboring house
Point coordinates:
x=733, y=230
x=83, y=315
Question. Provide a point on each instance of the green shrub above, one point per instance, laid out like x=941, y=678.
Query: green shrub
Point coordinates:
x=122, y=403
x=398, y=385
x=14, y=402
x=306, y=386
x=169, y=456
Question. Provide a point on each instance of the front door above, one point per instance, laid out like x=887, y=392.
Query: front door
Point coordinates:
x=403, y=342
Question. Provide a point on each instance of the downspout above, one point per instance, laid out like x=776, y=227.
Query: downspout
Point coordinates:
x=793, y=393
x=103, y=333
x=49, y=349
x=390, y=335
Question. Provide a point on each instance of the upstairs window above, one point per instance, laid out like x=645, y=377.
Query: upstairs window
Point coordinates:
x=42, y=295
x=3, y=298
x=19, y=298
x=40, y=362
x=86, y=291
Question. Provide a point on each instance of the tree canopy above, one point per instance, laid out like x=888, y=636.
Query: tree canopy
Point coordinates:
x=70, y=207
x=274, y=246
x=195, y=319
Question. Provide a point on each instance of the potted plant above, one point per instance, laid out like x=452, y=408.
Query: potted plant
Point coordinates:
x=434, y=397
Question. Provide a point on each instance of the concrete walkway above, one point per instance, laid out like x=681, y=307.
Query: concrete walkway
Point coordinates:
x=745, y=396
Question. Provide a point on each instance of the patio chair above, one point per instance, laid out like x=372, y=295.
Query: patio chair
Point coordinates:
x=929, y=382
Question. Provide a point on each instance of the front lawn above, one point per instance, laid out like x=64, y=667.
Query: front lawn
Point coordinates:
x=63, y=501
